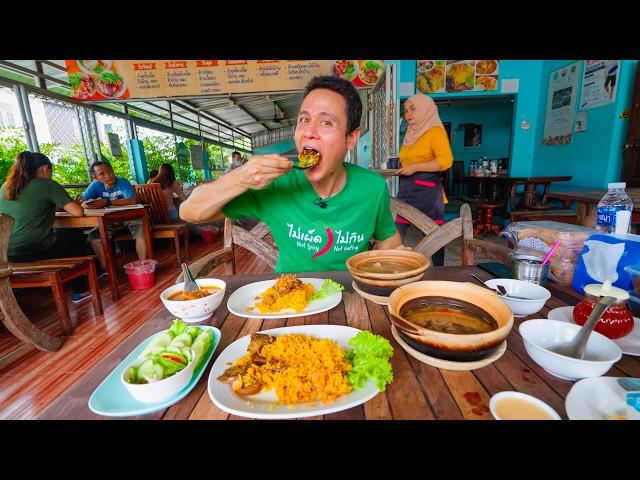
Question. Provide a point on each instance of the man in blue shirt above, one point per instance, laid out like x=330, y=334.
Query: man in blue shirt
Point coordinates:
x=105, y=191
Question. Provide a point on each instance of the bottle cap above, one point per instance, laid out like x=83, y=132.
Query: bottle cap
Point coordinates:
x=617, y=185
x=606, y=290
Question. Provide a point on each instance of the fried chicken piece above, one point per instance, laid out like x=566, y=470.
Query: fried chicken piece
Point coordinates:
x=287, y=283
x=258, y=340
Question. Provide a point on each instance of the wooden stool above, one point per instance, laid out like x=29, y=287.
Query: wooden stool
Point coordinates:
x=55, y=273
x=484, y=219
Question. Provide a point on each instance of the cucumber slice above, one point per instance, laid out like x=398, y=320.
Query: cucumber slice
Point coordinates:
x=182, y=340
x=150, y=371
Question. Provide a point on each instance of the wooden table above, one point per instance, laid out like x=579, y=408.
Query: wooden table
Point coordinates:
x=101, y=217
x=587, y=203
x=529, y=196
x=419, y=391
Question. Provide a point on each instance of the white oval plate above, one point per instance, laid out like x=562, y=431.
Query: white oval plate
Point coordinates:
x=245, y=297
x=264, y=405
x=597, y=398
x=629, y=345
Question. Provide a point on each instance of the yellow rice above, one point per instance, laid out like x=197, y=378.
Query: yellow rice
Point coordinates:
x=300, y=368
x=296, y=299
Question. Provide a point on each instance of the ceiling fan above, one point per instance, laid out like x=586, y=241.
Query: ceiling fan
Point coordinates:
x=276, y=118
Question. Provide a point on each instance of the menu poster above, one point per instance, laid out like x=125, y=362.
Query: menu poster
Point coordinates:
x=361, y=73
x=197, y=158
x=561, y=105
x=599, y=83
x=110, y=80
x=440, y=76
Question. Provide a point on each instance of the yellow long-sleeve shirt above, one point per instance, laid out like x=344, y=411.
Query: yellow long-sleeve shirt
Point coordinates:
x=432, y=145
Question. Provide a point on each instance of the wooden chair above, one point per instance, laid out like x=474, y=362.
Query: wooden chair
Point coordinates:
x=437, y=237
x=235, y=235
x=12, y=316
x=54, y=273
x=161, y=227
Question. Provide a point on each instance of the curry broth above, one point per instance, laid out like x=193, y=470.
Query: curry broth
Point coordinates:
x=179, y=295
x=448, y=315
x=386, y=266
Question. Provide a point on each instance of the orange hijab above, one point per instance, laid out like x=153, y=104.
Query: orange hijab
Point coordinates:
x=426, y=114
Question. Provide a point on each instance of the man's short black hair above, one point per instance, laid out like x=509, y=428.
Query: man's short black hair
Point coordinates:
x=97, y=163
x=236, y=153
x=348, y=92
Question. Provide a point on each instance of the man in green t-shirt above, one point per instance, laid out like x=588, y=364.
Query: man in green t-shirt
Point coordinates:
x=321, y=216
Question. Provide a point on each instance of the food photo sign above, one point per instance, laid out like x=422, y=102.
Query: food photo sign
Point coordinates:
x=113, y=80
x=451, y=76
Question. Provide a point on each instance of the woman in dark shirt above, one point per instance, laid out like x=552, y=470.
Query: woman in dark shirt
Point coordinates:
x=30, y=197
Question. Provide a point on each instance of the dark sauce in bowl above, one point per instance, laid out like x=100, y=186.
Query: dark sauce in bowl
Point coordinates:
x=448, y=315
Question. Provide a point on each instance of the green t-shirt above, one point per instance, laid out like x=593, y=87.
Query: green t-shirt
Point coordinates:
x=34, y=212
x=311, y=238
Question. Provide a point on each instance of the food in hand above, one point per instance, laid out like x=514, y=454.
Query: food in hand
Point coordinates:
x=308, y=158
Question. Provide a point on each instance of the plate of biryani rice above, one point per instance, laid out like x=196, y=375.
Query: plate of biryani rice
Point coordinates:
x=285, y=297
x=300, y=371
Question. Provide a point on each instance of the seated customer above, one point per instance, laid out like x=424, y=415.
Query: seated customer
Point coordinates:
x=30, y=196
x=105, y=191
x=166, y=177
x=321, y=216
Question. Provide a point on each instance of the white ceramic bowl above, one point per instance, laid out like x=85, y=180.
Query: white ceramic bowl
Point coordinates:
x=521, y=308
x=521, y=396
x=191, y=311
x=538, y=335
x=162, y=390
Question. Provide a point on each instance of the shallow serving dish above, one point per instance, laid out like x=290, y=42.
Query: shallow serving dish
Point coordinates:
x=191, y=311
x=452, y=346
x=521, y=308
x=539, y=335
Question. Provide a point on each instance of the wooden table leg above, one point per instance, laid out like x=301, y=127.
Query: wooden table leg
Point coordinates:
x=147, y=234
x=108, y=257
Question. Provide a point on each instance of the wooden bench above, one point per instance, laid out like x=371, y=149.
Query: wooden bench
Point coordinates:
x=54, y=273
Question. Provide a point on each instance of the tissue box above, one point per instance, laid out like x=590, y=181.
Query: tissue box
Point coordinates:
x=604, y=257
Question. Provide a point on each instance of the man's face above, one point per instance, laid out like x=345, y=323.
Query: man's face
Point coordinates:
x=105, y=175
x=236, y=158
x=322, y=126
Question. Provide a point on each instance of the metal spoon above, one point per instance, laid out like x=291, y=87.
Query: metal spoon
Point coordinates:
x=503, y=292
x=190, y=284
x=629, y=384
x=296, y=162
x=481, y=282
x=576, y=348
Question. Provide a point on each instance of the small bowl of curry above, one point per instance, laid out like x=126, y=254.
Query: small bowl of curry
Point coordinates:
x=456, y=321
x=197, y=306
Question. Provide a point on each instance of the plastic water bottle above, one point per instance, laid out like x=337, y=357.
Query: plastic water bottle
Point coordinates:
x=614, y=210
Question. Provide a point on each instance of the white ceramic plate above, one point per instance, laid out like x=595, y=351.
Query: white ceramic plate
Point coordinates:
x=264, y=405
x=245, y=297
x=597, y=398
x=629, y=345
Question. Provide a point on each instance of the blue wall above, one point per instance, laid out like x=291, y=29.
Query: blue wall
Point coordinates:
x=594, y=158
x=526, y=105
x=496, y=123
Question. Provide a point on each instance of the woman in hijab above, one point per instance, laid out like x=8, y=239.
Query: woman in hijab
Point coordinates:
x=424, y=154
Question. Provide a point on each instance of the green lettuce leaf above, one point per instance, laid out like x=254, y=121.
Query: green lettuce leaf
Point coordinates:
x=370, y=359
x=177, y=327
x=329, y=287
